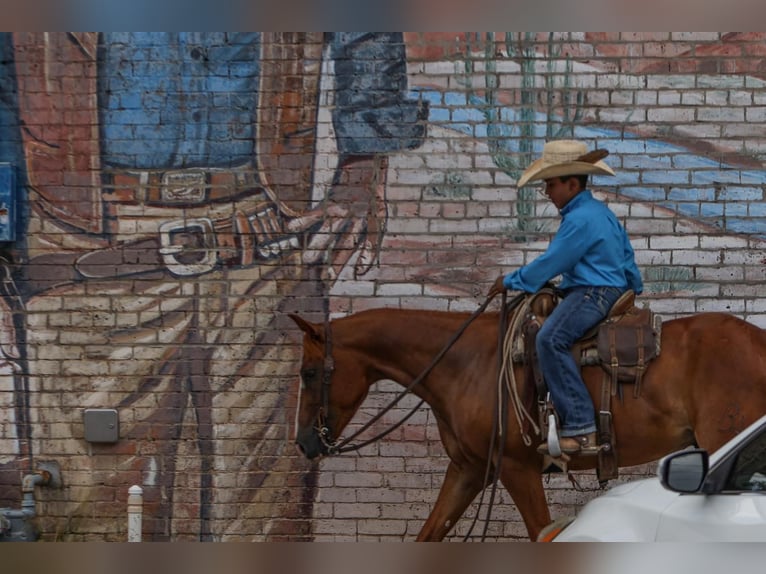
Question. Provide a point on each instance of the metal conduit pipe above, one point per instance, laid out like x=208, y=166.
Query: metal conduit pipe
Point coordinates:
x=17, y=525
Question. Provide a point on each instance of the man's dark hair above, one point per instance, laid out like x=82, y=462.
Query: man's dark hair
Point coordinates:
x=582, y=178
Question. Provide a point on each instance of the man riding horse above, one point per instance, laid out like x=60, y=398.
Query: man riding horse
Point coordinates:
x=593, y=255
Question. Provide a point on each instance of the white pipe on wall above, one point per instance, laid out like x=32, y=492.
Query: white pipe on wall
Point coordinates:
x=135, y=510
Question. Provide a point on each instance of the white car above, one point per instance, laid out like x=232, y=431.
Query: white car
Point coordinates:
x=696, y=497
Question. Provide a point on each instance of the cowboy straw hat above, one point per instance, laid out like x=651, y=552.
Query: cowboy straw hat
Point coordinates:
x=565, y=157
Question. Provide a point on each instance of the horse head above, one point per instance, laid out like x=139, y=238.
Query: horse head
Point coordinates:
x=333, y=386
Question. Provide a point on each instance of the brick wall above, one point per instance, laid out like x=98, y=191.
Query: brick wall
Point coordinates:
x=354, y=171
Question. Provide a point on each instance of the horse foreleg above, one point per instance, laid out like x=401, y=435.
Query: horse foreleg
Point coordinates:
x=524, y=483
x=457, y=492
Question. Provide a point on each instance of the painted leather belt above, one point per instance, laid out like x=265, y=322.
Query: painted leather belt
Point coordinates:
x=184, y=247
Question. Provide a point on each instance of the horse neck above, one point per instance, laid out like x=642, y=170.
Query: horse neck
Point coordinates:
x=400, y=345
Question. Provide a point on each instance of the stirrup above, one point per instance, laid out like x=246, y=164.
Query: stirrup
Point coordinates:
x=553, y=447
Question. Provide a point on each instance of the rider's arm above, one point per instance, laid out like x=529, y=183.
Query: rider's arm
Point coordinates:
x=567, y=247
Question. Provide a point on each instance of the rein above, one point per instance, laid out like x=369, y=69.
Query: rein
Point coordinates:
x=325, y=434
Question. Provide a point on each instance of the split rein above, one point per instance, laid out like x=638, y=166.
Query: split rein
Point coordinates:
x=325, y=434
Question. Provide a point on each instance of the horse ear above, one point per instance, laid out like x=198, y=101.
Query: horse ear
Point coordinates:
x=311, y=329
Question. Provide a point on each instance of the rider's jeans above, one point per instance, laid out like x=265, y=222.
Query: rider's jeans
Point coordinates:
x=579, y=310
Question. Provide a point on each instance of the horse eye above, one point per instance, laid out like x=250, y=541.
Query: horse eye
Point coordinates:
x=308, y=375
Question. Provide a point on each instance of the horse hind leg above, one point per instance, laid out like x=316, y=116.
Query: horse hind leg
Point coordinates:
x=457, y=492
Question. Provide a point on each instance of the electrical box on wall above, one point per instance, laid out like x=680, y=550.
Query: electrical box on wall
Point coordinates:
x=7, y=202
x=101, y=425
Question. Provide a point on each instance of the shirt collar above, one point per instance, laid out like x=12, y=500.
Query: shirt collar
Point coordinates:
x=581, y=197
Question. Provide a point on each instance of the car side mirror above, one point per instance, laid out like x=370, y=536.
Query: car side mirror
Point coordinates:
x=684, y=471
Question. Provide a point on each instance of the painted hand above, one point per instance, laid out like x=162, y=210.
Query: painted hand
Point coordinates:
x=351, y=220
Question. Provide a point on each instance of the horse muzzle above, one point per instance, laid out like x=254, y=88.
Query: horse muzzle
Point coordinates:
x=310, y=443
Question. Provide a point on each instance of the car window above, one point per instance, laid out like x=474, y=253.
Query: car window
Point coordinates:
x=749, y=471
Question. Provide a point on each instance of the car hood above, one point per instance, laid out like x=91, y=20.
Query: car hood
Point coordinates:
x=626, y=513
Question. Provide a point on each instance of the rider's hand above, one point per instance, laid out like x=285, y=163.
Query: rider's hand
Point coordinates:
x=497, y=287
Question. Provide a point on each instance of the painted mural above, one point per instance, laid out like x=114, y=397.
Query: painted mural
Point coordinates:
x=178, y=202
x=179, y=193
x=516, y=90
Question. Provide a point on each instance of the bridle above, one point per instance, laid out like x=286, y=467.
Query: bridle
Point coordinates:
x=328, y=367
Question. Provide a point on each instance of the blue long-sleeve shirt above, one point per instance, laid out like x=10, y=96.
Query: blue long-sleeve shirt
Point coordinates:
x=590, y=248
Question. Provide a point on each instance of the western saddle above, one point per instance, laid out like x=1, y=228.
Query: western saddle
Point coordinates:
x=623, y=345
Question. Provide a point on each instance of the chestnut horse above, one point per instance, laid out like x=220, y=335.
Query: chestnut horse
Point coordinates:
x=708, y=383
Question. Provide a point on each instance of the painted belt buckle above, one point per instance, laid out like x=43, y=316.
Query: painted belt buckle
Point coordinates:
x=188, y=258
